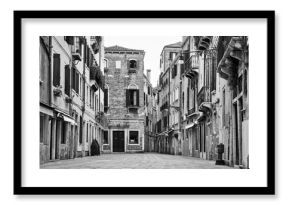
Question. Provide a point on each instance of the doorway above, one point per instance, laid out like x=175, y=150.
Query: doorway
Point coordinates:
x=118, y=141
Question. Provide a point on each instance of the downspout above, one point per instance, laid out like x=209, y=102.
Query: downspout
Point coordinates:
x=50, y=68
x=83, y=97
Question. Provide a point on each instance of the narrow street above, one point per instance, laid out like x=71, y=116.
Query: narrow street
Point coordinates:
x=134, y=161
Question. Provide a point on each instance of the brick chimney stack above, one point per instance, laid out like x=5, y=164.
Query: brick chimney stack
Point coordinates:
x=148, y=75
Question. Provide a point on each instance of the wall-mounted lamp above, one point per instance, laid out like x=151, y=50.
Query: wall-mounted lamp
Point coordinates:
x=181, y=60
x=76, y=61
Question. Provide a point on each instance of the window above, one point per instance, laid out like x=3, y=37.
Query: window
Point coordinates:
x=245, y=82
x=172, y=55
x=42, y=124
x=78, y=45
x=132, y=97
x=132, y=64
x=183, y=100
x=63, y=133
x=224, y=107
x=105, y=63
x=174, y=71
x=106, y=98
x=106, y=138
x=213, y=70
x=56, y=69
x=164, y=122
x=240, y=84
x=81, y=131
x=118, y=64
x=87, y=137
x=77, y=82
x=67, y=80
x=69, y=40
x=133, y=137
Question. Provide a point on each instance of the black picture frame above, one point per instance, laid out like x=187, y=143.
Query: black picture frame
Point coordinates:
x=268, y=190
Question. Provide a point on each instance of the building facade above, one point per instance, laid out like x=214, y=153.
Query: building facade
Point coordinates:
x=165, y=90
x=67, y=111
x=124, y=100
x=149, y=110
x=206, y=93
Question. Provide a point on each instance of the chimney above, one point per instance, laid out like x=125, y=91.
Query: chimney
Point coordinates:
x=148, y=75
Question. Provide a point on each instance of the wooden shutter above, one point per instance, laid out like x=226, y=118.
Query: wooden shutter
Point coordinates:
x=56, y=69
x=73, y=77
x=128, y=64
x=69, y=40
x=137, y=96
x=106, y=97
x=77, y=82
x=67, y=80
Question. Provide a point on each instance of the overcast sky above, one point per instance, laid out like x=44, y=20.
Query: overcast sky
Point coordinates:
x=152, y=45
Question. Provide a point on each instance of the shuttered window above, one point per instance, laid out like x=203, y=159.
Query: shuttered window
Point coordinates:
x=81, y=131
x=106, y=98
x=73, y=77
x=67, y=80
x=132, y=97
x=41, y=128
x=56, y=69
x=69, y=40
x=77, y=82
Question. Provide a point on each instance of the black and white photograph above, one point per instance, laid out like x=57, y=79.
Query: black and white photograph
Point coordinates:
x=144, y=102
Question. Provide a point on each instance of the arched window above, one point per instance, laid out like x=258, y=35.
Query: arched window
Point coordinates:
x=105, y=63
x=132, y=96
x=132, y=64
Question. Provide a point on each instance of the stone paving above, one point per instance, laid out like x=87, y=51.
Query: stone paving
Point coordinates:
x=134, y=161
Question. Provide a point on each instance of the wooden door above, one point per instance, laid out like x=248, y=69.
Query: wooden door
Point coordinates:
x=118, y=141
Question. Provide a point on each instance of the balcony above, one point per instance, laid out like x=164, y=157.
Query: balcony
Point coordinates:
x=204, y=42
x=204, y=99
x=192, y=66
x=132, y=70
x=164, y=106
x=76, y=53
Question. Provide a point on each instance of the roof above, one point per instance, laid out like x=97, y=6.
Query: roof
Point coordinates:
x=120, y=48
x=174, y=45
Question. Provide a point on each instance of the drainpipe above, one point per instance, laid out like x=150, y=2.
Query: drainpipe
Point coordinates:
x=168, y=101
x=83, y=97
x=50, y=67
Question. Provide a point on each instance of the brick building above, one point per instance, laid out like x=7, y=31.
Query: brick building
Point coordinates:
x=124, y=100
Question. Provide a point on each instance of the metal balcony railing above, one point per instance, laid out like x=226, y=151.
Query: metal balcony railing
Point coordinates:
x=203, y=95
x=192, y=65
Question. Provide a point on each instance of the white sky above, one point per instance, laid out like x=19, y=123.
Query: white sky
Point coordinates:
x=152, y=45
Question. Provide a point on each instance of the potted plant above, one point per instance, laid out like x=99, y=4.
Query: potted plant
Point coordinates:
x=57, y=91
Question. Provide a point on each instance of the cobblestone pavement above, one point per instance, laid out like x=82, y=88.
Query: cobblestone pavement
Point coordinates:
x=134, y=161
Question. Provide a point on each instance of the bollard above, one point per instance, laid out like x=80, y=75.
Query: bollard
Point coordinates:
x=220, y=151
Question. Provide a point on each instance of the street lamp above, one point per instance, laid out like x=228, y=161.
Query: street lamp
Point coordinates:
x=181, y=60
